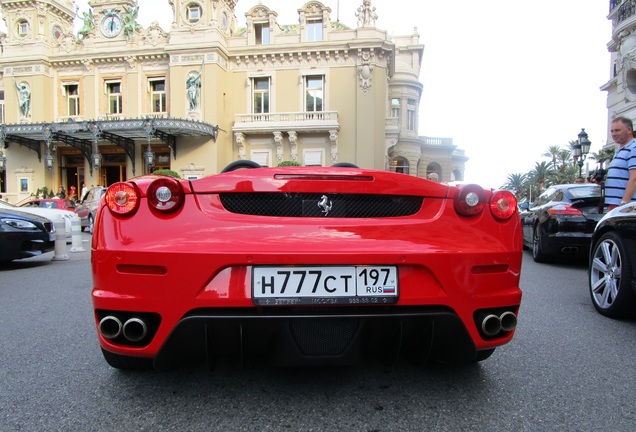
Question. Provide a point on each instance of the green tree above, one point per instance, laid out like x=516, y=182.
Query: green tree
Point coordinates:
x=516, y=184
x=541, y=174
x=553, y=154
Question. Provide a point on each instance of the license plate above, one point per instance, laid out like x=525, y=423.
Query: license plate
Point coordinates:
x=324, y=285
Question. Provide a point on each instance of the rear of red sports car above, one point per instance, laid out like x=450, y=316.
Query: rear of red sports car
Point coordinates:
x=303, y=265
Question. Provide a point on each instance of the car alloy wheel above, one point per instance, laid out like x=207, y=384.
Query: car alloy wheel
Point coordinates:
x=91, y=225
x=609, y=277
x=537, y=254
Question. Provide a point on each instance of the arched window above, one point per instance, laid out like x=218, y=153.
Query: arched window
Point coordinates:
x=400, y=164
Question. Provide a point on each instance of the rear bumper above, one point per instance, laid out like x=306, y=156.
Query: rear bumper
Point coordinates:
x=288, y=337
x=567, y=244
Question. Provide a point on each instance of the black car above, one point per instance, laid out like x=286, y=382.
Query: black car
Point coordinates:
x=561, y=221
x=24, y=235
x=612, y=265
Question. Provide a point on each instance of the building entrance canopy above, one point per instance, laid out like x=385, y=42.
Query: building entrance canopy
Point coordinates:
x=85, y=135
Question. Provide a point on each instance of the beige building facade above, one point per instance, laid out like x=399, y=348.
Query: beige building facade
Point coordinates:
x=621, y=88
x=116, y=100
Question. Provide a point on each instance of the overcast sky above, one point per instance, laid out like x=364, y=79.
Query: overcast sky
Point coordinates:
x=505, y=79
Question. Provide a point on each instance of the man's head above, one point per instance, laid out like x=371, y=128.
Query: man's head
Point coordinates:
x=433, y=177
x=622, y=130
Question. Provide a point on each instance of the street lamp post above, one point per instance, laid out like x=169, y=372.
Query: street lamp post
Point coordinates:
x=580, y=149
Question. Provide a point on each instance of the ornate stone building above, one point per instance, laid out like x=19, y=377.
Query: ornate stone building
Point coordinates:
x=621, y=88
x=116, y=100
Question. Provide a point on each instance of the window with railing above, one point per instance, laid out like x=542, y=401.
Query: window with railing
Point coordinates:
x=70, y=92
x=395, y=108
x=158, y=94
x=260, y=95
x=114, y=96
x=314, y=93
x=261, y=32
x=314, y=30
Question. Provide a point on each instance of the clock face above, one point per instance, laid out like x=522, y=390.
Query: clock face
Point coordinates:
x=111, y=25
x=56, y=32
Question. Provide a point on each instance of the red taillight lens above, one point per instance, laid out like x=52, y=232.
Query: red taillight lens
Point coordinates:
x=503, y=204
x=122, y=198
x=563, y=209
x=165, y=194
x=470, y=200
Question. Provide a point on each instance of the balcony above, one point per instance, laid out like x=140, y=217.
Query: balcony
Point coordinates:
x=309, y=121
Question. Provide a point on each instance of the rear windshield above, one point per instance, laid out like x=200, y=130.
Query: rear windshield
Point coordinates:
x=591, y=191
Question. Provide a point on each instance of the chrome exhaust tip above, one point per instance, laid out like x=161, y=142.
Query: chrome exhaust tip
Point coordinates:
x=110, y=327
x=135, y=330
x=508, y=321
x=491, y=325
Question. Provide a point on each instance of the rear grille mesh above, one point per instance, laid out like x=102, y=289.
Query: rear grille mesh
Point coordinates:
x=321, y=205
x=316, y=337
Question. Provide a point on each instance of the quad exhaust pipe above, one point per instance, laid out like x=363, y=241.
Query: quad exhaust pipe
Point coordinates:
x=134, y=329
x=493, y=324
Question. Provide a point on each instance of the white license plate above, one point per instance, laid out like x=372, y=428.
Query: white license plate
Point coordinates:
x=324, y=285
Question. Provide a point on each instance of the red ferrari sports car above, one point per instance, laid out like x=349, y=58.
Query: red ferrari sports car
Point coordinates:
x=303, y=266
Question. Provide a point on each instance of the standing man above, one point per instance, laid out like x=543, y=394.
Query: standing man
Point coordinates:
x=620, y=185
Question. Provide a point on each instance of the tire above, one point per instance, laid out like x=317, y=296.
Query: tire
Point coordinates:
x=537, y=254
x=240, y=164
x=91, y=224
x=127, y=363
x=610, y=277
x=345, y=165
x=483, y=355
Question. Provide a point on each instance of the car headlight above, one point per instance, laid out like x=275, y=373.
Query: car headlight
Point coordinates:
x=19, y=223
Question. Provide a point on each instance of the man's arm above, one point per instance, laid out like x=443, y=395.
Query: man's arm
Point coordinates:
x=630, y=189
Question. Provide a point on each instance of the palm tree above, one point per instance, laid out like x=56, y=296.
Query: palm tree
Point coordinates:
x=515, y=183
x=553, y=154
x=540, y=174
x=604, y=155
x=565, y=156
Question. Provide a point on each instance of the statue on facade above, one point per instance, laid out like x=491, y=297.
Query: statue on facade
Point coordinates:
x=193, y=85
x=89, y=23
x=24, y=98
x=130, y=20
x=366, y=14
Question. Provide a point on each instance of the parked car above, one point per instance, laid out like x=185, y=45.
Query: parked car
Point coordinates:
x=49, y=213
x=86, y=208
x=561, y=221
x=51, y=203
x=303, y=265
x=612, y=263
x=24, y=235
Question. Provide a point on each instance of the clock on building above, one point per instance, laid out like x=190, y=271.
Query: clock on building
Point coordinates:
x=111, y=25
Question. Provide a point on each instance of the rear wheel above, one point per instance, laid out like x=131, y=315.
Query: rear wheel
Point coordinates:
x=91, y=224
x=537, y=253
x=126, y=363
x=610, y=277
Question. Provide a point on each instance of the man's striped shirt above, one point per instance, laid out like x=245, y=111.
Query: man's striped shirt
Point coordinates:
x=618, y=173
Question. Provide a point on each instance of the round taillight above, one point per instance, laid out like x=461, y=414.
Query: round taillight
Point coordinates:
x=470, y=200
x=165, y=194
x=503, y=204
x=122, y=198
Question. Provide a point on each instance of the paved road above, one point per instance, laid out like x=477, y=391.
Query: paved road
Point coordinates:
x=568, y=369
